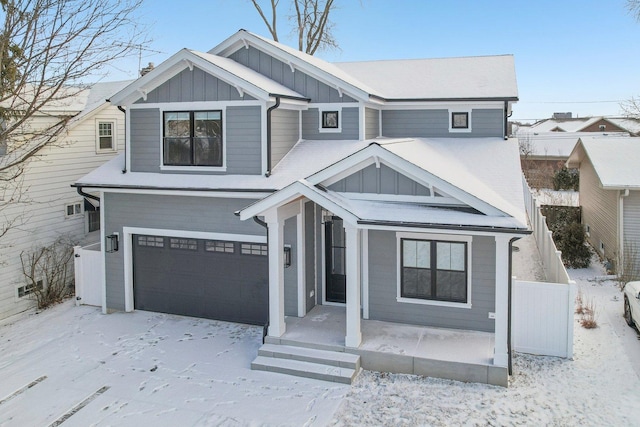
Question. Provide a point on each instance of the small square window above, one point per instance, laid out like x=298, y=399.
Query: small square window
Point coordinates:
x=460, y=120
x=330, y=120
x=73, y=209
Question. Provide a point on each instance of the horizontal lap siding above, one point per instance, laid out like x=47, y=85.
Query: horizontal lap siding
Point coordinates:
x=372, y=123
x=146, y=140
x=244, y=145
x=383, y=288
x=207, y=214
x=435, y=123
x=285, y=130
x=349, y=121
x=632, y=222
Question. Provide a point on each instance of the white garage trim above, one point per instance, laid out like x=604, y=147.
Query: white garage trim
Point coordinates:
x=128, y=232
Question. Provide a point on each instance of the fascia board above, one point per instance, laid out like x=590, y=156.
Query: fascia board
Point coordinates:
x=574, y=159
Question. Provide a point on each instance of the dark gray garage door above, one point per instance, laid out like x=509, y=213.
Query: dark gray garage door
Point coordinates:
x=213, y=279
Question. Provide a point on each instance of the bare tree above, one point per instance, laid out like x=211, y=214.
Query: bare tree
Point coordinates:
x=49, y=51
x=633, y=6
x=631, y=107
x=312, y=25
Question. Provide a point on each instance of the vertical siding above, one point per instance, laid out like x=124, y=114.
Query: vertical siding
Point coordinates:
x=243, y=142
x=382, y=180
x=291, y=273
x=599, y=211
x=281, y=73
x=205, y=214
x=146, y=140
x=435, y=123
x=319, y=229
x=285, y=132
x=349, y=119
x=383, y=288
x=631, y=221
x=372, y=123
x=310, y=254
x=46, y=189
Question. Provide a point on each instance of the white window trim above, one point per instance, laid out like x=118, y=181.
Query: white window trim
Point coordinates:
x=438, y=237
x=114, y=136
x=325, y=108
x=187, y=107
x=460, y=110
x=74, y=215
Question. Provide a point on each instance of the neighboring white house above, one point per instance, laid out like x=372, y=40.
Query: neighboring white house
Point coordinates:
x=49, y=206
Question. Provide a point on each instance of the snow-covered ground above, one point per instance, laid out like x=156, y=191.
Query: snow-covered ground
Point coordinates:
x=139, y=369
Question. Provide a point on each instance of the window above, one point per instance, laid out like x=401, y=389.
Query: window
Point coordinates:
x=460, y=120
x=73, y=209
x=193, y=138
x=189, y=244
x=434, y=270
x=330, y=120
x=602, y=128
x=151, y=241
x=106, y=136
x=219, y=246
x=253, y=249
x=25, y=290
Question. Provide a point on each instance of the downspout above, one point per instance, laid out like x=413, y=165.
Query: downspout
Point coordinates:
x=87, y=195
x=509, y=295
x=269, y=110
x=125, y=137
x=506, y=119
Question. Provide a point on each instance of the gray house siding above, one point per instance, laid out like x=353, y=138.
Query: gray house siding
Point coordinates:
x=205, y=214
x=372, y=123
x=243, y=142
x=193, y=86
x=435, y=123
x=281, y=73
x=285, y=132
x=349, y=119
x=310, y=254
x=383, y=288
x=145, y=140
x=382, y=180
x=631, y=222
x=291, y=273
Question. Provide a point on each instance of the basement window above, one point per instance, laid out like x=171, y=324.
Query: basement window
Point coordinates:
x=25, y=290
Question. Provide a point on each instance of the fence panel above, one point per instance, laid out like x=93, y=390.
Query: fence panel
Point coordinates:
x=89, y=271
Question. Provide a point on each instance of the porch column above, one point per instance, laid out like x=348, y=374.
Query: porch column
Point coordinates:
x=352, y=242
x=275, y=231
x=500, y=354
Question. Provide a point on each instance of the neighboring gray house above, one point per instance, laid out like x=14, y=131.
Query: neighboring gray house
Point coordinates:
x=609, y=194
x=260, y=182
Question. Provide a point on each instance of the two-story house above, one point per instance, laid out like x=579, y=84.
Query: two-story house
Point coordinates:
x=261, y=183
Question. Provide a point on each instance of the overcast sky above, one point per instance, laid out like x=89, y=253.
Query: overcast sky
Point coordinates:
x=577, y=56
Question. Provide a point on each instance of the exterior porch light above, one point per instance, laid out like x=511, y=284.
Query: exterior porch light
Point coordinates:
x=111, y=243
x=287, y=256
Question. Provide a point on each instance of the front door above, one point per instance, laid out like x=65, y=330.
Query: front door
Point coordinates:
x=335, y=251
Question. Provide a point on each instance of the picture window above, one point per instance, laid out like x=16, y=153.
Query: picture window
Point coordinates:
x=193, y=138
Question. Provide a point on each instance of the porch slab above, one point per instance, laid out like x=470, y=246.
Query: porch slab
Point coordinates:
x=399, y=348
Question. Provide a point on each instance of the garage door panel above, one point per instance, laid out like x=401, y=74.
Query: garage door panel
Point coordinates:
x=183, y=277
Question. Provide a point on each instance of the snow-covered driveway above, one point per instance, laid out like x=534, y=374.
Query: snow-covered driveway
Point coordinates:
x=76, y=365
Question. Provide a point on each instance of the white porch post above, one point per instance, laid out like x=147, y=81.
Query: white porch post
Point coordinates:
x=354, y=334
x=500, y=356
x=275, y=231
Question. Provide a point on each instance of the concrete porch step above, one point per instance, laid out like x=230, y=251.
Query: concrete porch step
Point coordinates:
x=305, y=354
x=300, y=368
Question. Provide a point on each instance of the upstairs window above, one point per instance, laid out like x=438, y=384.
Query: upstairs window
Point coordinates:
x=330, y=120
x=193, y=138
x=460, y=120
x=106, y=136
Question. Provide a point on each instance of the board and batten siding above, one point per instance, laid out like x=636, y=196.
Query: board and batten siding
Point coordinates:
x=280, y=72
x=309, y=254
x=383, y=285
x=193, y=86
x=435, y=123
x=382, y=180
x=242, y=139
x=348, y=118
x=291, y=272
x=631, y=221
x=599, y=212
x=372, y=123
x=46, y=190
x=285, y=132
x=205, y=214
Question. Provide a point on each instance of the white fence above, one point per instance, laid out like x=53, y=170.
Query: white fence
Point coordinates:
x=543, y=320
x=89, y=271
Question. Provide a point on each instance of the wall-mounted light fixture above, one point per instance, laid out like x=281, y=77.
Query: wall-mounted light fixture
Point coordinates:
x=111, y=243
x=287, y=256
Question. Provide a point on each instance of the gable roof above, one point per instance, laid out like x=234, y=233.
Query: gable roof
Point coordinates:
x=615, y=160
x=578, y=124
x=233, y=73
x=558, y=144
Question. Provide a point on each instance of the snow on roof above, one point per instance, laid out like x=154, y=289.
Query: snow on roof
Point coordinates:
x=440, y=78
x=563, y=125
x=615, y=160
x=558, y=144
x=247, y=74
x=98, y=95
x=630, y=124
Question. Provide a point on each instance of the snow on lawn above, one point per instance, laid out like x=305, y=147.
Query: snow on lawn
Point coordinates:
x=598, y=388
x=158, y=370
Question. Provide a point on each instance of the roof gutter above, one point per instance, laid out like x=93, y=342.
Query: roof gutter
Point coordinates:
x=148, y=187
x=269, y=111
x=522, y=231
x=505, y=99
x=83, y=194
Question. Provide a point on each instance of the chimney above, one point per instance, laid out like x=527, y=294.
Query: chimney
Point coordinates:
x=146, y=69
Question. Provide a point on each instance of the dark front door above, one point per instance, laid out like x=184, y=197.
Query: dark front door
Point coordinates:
x=336, y=285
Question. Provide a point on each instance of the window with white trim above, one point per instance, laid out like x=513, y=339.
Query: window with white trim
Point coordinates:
x=106, y=136
x=434, y=270
x=73, y=209
x=459, y=120
x=192, y=138
x=330, y=119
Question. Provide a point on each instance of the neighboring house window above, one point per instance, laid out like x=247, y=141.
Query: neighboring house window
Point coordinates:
x=330, y=119
x=25, y=290
x=73, y=209
x=193, y=138
x=434, y=271
x=106, y=136
x=602, y=128
x=459, y=121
